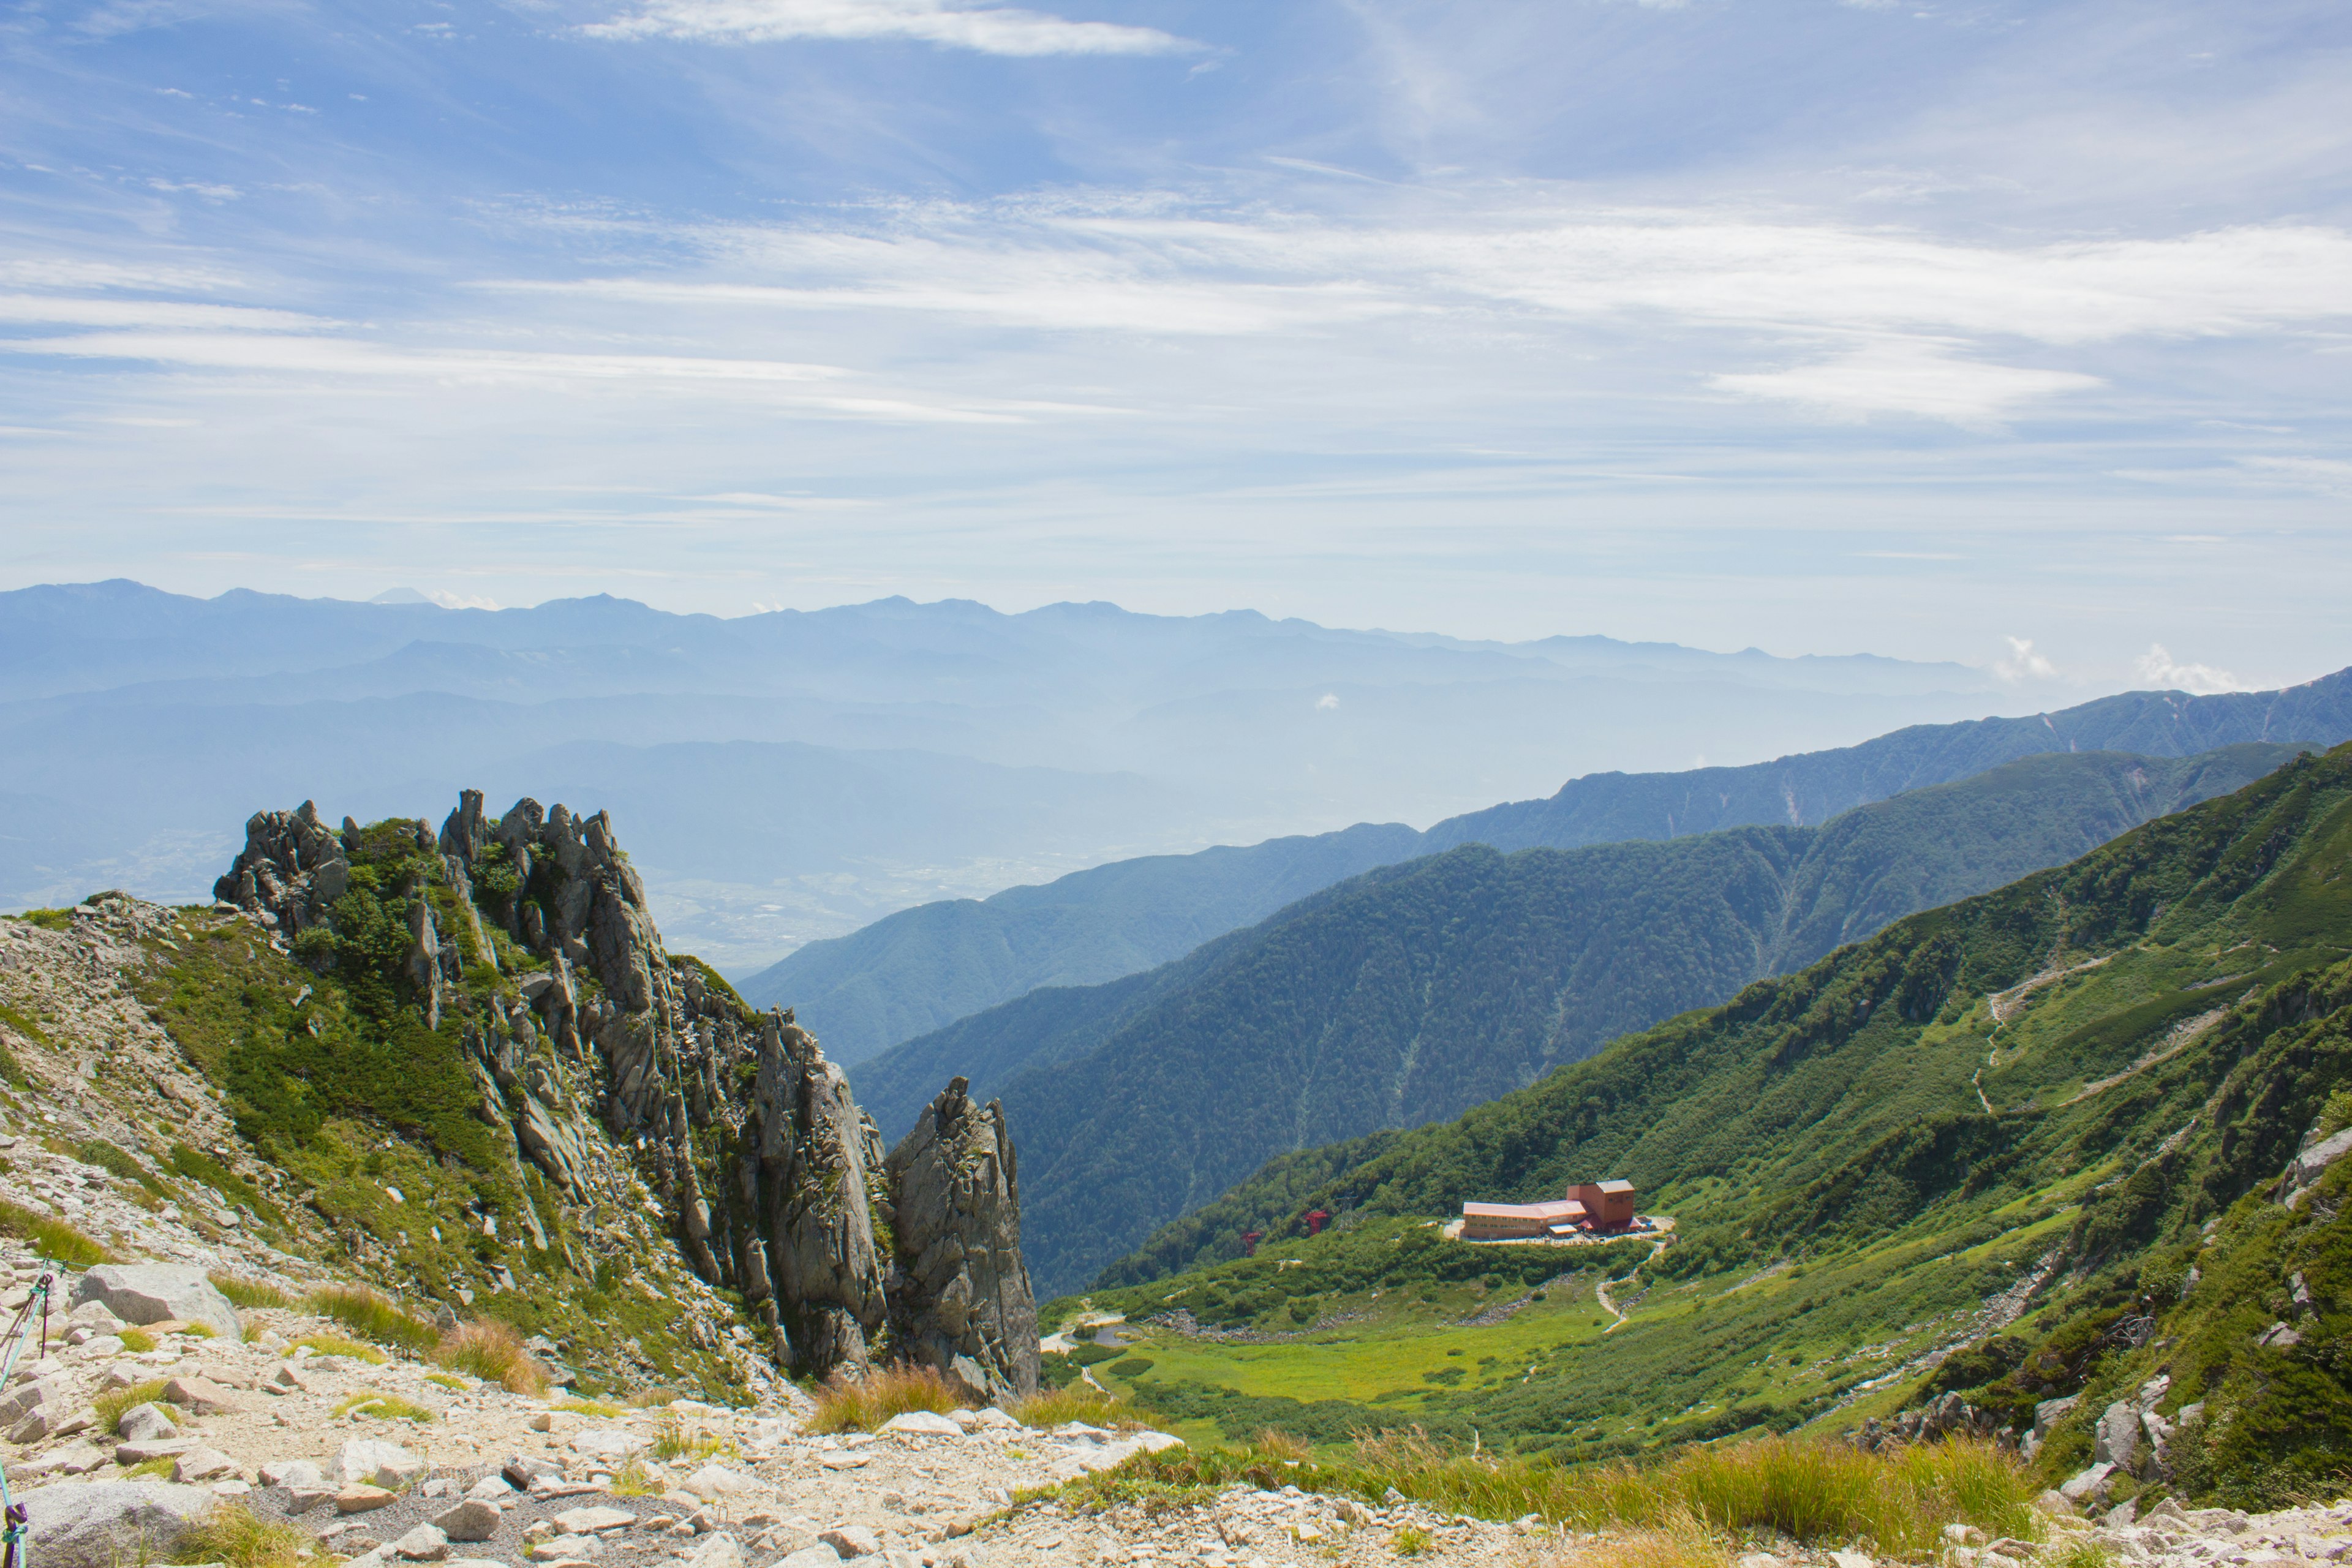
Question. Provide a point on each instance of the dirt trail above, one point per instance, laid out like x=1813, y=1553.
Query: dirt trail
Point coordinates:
x=1600, y=1292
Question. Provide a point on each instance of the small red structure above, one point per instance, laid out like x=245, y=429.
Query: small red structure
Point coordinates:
x=1250, y=1238
x=1315, y=1220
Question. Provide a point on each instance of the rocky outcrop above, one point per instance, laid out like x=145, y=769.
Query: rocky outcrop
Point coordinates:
x=291, y=872
x=960, y=1293
x=813, y=1182
x=606, y=1059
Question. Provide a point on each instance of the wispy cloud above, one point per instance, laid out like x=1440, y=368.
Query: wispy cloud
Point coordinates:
x=2160, y=669
x=992, y=30
x=1907, y=378
x=2024, y=663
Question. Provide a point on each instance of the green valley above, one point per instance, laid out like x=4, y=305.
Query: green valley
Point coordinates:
x=2045, y=1129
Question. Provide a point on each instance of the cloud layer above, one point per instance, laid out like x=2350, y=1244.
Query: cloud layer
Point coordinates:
x=990, y=30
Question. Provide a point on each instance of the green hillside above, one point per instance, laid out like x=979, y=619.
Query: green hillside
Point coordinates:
x=916, y=970
x=2045, y=1126
x=1417, y=991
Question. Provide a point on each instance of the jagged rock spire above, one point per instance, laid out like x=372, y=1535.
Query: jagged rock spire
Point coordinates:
x=959, y=1297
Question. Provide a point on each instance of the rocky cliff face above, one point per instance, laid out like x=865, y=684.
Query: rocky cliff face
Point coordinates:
x=617, y=1066
x=960, y=1300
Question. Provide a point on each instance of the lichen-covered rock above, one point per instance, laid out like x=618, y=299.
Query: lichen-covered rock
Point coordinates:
x=158, y=1292
x=98, y=1524
x=960, y=1298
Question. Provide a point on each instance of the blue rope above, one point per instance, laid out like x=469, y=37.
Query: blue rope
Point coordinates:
x=14, y=1531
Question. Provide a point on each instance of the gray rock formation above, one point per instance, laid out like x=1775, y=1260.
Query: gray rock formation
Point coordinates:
x=813, y=1190
x=292, y=871
x=960, y=1293
x=604, y=1058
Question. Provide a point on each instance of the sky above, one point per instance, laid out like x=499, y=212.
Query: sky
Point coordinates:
x=2006, y=332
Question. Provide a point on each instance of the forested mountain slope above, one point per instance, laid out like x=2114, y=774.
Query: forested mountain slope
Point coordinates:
x=2085, y=1121
x=1420, y=989
x=917, y=970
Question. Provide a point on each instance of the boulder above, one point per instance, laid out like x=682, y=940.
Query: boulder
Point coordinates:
x=157, y=1293
x=2085, y=1485
x=517, y=1471
x=292, y=1473
x=718, y=1482
x=965, y=1306
x=425, y=1543
x=472, y=1520
x=2050, y=1412
x=851, y=1541
x=162, y=1448
x=202, y=1465
x=377, y=1463
x=359, y=1496
x=590, y=1520
x=923, y=1423
x=76, y=1459
x=490, y=1490
x=2114, y=1441
x=200, y=1395
x=609, y=1443
x=99, y=1524
x=2303, y=1171
x=26, y=1398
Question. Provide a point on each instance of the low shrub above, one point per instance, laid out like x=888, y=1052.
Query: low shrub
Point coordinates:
x=492, y=1352
x=246, y=1292
x=233, y=1534
x=363, y=1311
x=860, y=1404
x=52, y=1238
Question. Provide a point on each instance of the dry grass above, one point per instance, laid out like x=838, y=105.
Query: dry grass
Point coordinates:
x=860, y=1404
x=384, y=1407
x=52, y=1238
x=1679, y=1542
x=633, y=1480
x=1277, y=1445
x=246, y=1292
x=674, y=1439
x=363, y=1311
x=231, y=1533
x=1820, y=1493
x=595, y=1407
x=1078, y=1402
x=492, y=1352
x=338, y=1345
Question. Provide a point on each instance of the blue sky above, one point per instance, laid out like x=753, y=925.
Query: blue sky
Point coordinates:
x=1929, y=329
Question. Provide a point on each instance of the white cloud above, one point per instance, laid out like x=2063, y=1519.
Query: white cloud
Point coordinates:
x=1906, y=378
x=2160, y=669
x=1328, y=704
x=68, y=310
x=992, y=30
x=2024, y=663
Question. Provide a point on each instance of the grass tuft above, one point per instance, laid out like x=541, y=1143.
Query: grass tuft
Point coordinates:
x=150, y=1469
x=1411, y=1542
x=633, y=1480
x=492, y=1352
x=363, y=1311
x=233, y=1534
x=384, y=1407
x=111, y=1404
x=673, y=1440
x=246, y=1292
x=1077, y=1402
x=51, y=1238
x=597, y=1408
x=860, y=1404
x=1680, y=1542
x=338, y=1345
x=136, y=1340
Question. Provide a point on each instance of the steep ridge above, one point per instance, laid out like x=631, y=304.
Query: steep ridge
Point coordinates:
x=471, y=1058
x=917, y=970
x=1420, y=989
x=2089, y=1127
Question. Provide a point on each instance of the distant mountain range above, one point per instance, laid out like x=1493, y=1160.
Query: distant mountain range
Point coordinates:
x=1415, y=992
x=844, y=762
x=922, y=968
